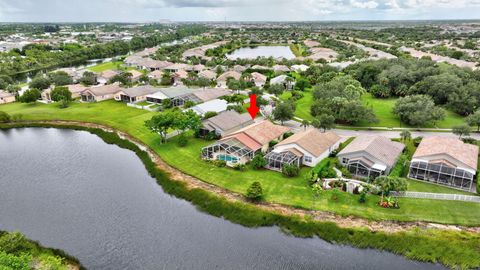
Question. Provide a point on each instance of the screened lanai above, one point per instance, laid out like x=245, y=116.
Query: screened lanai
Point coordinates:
x=275, y=161
x=364, y=169
x=441, y=173
x=230, y=150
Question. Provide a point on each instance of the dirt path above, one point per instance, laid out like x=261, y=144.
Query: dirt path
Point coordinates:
x=341, y=221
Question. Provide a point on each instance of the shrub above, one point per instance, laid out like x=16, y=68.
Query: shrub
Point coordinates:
x=17, y=117
x=255, y=192
x=290, y=170
x=287, y=134
x=219, y=163
x=4, y=117
x=210, y=115
x=363, y=197
x=182, y=140
x=311, y=177
x=272, y=143
x=258, y=161
x=240, y=167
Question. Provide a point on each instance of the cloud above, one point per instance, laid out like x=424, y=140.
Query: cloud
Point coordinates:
x=367, y=5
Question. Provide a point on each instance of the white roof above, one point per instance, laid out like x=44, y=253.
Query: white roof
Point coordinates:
x=379, y=167
x=157, y=95
x=216, y=105
x=278, y=80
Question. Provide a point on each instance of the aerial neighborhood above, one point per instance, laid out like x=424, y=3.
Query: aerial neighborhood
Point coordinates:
x=367, y=127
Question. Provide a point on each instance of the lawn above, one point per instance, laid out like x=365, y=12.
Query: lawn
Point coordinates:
x=383, y=109
x=288, y=191
x=303, y=105
x=115, y=65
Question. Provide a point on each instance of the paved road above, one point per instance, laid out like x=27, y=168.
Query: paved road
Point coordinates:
x=296, y=126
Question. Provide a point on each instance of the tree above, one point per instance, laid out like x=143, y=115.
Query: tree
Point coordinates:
x=209, y=115
x=258, y=161
x=88, y=78
x=389, y=183
x=30, y=96
x=61, y=93
x=60, y=78
x=324, y=121
x=255, y=192
x=276, y=89
x=461, y=130
x=161, y=123
x=302, y=84
x=380, y=91
x=405, y=135
x=417, y=110
x=40, y=82
x=4, y=117
x=290, y=170
x=305, y=124
x=283, y=111
x=474, y=119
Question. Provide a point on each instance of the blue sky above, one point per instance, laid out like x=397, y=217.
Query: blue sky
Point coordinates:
x=234, y=10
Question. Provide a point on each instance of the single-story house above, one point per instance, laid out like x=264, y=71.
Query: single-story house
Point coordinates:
x=6, y=97
x=135, y=94
x=75, y=89
x=258, y=79
x=178, y=95
x=204, y=95
x=196, y=68
x=280, y=68
x=152, y=65
x=282, y=80
x=225, y=123
x=300, y=68
x=445, y=161
x=134, y=61
x=307, y=148
x=100, y=93
x=177, y=67
x=222, y=79
x=259, y=67
x=369, y=156
x=106, y=75
x=239, y=68
x=215, y=105
x=178, y=76
x=156, y=75
x=135, y=75
x=207, y=74
x=240, y=146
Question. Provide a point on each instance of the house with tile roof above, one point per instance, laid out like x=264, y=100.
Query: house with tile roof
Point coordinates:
x=100, y=93
x=240, y=146
x=445, y=161
x=306, y=148
x=369, y=156
x=222, y=79
x=225, y=123
x=6, y=97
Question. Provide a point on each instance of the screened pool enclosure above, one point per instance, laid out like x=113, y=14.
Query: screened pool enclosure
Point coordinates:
x=442, y=174
x=230, y=150
x=276, y=161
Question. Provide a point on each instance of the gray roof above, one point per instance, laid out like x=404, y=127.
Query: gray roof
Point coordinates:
x=140, y=90
x=379, y=147
x=228, y=120
x=173, y=92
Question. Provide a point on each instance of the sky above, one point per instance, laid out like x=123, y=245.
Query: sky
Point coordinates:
x=234, y=10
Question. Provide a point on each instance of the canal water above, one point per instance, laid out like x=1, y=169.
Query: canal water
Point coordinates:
x=70, y=190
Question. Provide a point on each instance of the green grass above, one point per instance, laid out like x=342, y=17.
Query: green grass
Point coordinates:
x=114, y=65
x=303, y=105
x=421, y=186
x=383, y=109
x=288, y=191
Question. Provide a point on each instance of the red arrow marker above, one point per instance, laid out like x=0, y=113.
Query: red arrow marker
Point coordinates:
x=253, y=109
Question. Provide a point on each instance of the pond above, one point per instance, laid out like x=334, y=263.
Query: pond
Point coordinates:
x=262, y=51
x=70, y=190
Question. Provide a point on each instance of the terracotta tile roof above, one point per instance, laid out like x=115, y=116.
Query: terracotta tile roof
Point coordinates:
x=379, y=147
x=108, y=89
x=108, y=74
x=455, y=148
x=229, y=74
x=262, y=132
x=312, y=141
x=258, y=77
x=210, y=94
x=5, y=94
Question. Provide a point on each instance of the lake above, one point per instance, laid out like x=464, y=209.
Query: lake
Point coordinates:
x=262, y=51
x=70, y=190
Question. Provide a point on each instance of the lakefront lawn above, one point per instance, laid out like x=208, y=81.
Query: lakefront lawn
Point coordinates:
x=279, y=189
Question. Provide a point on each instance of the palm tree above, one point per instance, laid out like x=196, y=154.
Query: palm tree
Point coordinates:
x=388, y=183
x=405, y=135
x=305, y=124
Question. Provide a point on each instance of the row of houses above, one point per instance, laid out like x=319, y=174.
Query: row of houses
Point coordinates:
x=440, y=160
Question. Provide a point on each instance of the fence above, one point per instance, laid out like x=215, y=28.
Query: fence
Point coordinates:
x=437, y=196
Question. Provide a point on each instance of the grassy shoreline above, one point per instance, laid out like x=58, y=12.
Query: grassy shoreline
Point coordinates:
x=451, y=248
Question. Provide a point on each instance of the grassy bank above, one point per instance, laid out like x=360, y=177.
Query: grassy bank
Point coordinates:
x=278, y=189
x=454, y=249
x=19, y=253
